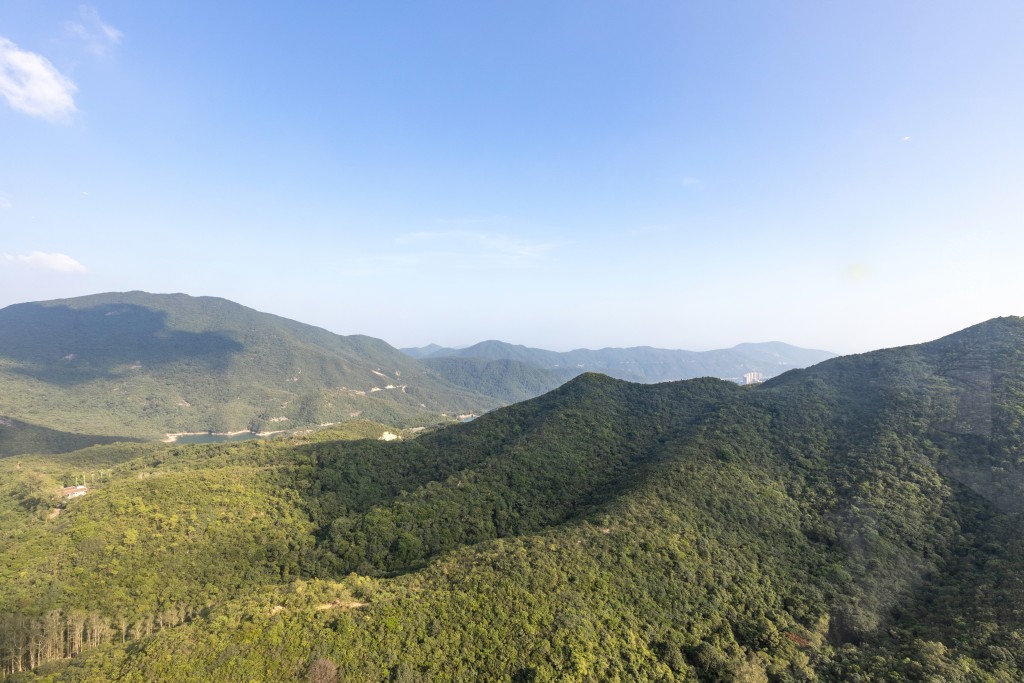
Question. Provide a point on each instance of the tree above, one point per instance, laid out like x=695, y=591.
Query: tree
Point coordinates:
x=322, y=670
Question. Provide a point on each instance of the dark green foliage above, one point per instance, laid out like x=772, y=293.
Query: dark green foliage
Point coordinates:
x=507, y=380
x=509, y=472
x=856, y=521
x=20, y=438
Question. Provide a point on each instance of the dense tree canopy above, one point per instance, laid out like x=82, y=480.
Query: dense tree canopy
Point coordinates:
x=856, y=521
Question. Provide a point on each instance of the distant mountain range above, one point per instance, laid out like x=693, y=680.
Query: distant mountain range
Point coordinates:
x=643, y=363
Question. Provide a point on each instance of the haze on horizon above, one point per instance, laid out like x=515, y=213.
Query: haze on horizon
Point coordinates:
x=843, y=176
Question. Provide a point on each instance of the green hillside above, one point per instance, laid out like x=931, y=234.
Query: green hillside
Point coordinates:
x=138, y=364
x=509, y=381
x=855, y=521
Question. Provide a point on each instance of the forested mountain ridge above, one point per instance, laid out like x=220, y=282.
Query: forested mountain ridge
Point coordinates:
x=858, y=520
x=643, y=363
x=507, y=380
x=141, y=364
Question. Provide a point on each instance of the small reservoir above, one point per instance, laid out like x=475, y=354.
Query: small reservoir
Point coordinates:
x=217, y=438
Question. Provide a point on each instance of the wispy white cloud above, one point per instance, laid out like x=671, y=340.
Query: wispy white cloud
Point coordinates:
x=5, y=203
x=61, y=263
x=98, y=36
x=454, y=250
x=477, y=245
x=32, y=85
x=478, y=223
x=690, y=181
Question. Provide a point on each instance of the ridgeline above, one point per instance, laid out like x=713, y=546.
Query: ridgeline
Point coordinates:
x=641, y=363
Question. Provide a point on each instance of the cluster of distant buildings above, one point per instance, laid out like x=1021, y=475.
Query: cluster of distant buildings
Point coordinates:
x=753, y=378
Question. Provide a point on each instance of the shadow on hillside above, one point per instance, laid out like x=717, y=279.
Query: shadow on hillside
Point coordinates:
x=973, y=587
x=66, y=346
x=22, y=438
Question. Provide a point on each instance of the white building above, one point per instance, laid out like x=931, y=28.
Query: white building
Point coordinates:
x=74, y=491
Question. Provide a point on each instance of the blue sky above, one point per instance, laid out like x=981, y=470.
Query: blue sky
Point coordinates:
x=840, y=175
